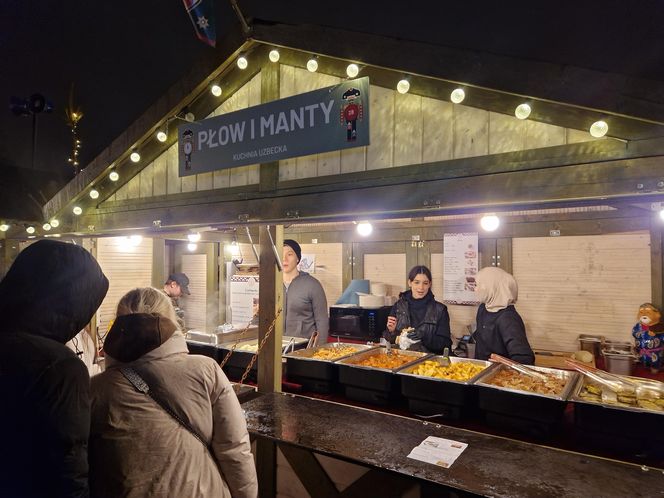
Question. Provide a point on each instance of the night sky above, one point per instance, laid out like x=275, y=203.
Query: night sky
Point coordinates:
x=122, y=55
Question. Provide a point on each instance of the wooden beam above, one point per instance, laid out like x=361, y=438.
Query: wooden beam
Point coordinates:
x=271, y=300
x=270, y=89
x=212, y=285
x=266, y=467
x=310, y=472
x=158, y=262
x=656, y=261
x=378, y=483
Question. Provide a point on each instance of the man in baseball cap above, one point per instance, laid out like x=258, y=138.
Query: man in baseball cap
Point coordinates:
x=176, y=285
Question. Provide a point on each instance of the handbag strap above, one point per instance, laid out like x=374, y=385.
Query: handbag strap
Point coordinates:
x=141, y=386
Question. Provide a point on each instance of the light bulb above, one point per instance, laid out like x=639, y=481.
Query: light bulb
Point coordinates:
x=94, y=193
x=161, y=136
x=364, y=228
x=55, y=223
x=490, y=222
x=599, y=128
x=403, y=86
x=312, y=65
x=242, y=62
x=522, y=111
x=189, y=117
x=4, y=227
x=114, y=176
x=30, y=229
x=77, y=210
x=194, y=237
x=661, y=215
x=352, y=70
x=234, y=249
x=216, y=90
x=192, y=247
x=46, y=227
x=274, y=55
x=135, y=157
x=457, y=95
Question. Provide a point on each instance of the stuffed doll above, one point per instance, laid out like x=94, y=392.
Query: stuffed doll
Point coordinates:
x=649, y=337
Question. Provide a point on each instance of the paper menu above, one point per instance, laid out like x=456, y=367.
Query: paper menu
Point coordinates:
x=438, y=451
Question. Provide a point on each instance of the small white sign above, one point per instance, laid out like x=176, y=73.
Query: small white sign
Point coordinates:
x=307, y=263
x=438, y=451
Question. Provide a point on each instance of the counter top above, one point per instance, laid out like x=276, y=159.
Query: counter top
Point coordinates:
x=490, y=466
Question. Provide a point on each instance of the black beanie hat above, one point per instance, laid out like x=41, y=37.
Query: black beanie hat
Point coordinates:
x=295, y=247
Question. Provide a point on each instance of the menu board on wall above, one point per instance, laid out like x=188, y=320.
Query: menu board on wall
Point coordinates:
x=244, y=299
x=460, y=267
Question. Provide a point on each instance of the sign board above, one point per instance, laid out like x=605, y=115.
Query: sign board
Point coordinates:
x=332, y=118
x=460, y=267
x=244, y=299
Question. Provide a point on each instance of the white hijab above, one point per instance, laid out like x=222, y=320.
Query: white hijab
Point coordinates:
x=496, y=288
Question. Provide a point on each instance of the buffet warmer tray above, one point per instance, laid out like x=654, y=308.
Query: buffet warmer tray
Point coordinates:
x=240, y=359
x=316, y=374
x=632, y=428
x=527, y=412
x=379, y=386
x=447, y=398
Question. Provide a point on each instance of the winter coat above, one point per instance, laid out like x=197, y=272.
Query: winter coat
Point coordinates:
x=49, y=294
x=428, y=317
x=306, y=308
x=503, y=333
x=139, y=450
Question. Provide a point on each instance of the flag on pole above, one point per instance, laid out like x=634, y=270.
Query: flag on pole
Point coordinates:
x=201, y=13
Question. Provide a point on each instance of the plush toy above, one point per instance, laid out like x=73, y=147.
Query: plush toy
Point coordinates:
x=649, y=337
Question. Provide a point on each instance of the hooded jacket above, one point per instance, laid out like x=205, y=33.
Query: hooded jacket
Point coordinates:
x=137, y=449
x=49, y=294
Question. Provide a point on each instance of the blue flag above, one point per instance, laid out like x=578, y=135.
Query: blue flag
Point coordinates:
x=201, y=13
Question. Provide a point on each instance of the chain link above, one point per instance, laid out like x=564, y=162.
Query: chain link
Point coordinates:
x=260, y=347
x=227, y=357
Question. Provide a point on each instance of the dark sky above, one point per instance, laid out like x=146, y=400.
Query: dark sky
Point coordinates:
x=121, y=55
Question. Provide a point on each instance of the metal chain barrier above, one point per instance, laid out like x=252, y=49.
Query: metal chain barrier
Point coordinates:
x=227, y=357
x=260, y=347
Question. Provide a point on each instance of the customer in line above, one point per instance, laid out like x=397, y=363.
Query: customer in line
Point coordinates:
x=500, y=328
x=49, y=294
x=305, y=303
x=137, y=448
x=424, y=320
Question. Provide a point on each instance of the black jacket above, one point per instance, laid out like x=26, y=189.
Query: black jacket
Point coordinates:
x=49, y=294
x=432, y=323
x=502, y=332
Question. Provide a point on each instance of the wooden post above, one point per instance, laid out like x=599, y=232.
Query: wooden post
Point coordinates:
x=270, y=299
x=656, y=261
x=269, y=172
x=212, y=285
x=158, y=262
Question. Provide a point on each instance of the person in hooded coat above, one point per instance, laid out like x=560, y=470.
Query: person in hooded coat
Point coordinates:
x=500, y=328
x=49, y=294
x=137, y=449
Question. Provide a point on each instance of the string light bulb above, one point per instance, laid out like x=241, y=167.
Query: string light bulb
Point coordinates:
x=114, y=176
x=457, y=95
x=77, y=210
x=46, y=227
x=242, y=62
x=4, y=227
x=490, y=222
x=274, y=55
x=30, y=230
x=55, y=223
x=403, y=86
x=215, y=90
x=162, y=136
x=599, y=128
x=94, y=193
x=312, y=65
x=522, y=111
x=135, y=157
x=352, y=70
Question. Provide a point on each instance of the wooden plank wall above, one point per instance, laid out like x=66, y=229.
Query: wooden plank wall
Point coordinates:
x=160, y=177
x=409, y=129
x=581, y=285
x=126, y=266
x=195, y=305
x=388, y=269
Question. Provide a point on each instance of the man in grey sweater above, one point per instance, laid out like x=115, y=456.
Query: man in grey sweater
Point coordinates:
x=304, y=298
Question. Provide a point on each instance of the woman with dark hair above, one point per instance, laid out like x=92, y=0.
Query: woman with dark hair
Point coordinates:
x=425, y=321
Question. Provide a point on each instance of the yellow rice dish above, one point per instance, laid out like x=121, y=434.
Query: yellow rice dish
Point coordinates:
x=461, y=370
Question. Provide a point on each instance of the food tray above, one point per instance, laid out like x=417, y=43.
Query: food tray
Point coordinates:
x=240, y=359
x=577, y=397
x=315, y=374
x=209, y=350
x=531, y=412
x=445, y=397
x=371, y=384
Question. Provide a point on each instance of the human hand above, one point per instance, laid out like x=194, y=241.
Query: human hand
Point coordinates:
x=391, y=323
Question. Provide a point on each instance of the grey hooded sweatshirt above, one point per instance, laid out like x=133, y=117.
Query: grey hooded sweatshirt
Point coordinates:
x=306, y=308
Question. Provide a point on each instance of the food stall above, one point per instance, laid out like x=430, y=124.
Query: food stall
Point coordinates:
x=573, y=217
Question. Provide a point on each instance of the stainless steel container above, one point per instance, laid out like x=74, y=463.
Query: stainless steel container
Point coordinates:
x=591, y=343
x=618, y=361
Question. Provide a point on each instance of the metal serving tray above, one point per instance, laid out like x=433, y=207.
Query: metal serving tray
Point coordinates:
x=536, y=412
x=443, y=397
x=217, y=337
x=358, y=378
x=645, y=383
x=318, y=375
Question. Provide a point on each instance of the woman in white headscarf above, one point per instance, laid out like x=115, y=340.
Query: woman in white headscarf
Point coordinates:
x=500, y=328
